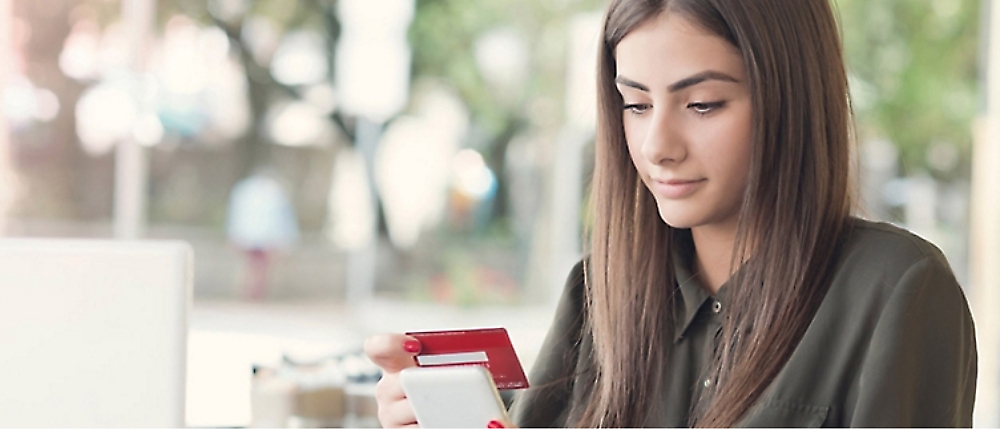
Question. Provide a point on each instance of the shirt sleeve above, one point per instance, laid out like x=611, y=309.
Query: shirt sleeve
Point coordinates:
x=920, y=368
x=545, y=403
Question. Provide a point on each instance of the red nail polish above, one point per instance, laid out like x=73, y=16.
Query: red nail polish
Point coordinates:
x=412, y=346
x=494, y=424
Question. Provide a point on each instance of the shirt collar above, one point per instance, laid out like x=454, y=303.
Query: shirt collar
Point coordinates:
x=693, y=295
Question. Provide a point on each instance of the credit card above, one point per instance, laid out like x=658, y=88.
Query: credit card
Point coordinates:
x=490, y=348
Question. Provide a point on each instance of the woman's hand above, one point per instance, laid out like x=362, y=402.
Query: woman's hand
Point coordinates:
x=393, y=353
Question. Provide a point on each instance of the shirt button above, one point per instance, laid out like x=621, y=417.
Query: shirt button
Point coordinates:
x=717, y=306
x=707, y=382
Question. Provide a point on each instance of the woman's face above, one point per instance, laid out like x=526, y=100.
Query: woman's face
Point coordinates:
x=687, y=118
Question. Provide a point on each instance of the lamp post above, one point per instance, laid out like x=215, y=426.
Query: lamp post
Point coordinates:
x=131, y=162
x=372, y=81
x=568, y=168
x=9, y=186
x=984, y=234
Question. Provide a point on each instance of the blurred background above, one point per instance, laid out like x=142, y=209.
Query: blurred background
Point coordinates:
x=346, y=167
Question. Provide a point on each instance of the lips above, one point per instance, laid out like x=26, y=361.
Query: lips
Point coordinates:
x=676, y=188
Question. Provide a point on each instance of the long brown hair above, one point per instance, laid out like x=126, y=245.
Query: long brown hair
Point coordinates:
x=796, y=209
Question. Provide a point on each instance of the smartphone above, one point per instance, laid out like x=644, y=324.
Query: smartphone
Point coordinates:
x=453, y=396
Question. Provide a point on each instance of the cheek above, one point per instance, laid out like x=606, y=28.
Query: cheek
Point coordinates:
x=739, y=153
x=733, y=145
x=634, y=136
x=743, y=143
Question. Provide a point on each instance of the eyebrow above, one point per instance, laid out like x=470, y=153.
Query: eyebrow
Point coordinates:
x=681, y=84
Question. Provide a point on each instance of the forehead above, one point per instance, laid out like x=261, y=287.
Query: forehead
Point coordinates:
x=670, y=47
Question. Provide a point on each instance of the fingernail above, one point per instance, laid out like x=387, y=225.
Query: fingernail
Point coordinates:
x=413, y=346
x=495, y=424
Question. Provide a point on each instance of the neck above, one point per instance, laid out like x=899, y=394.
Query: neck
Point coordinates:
x=713, y=254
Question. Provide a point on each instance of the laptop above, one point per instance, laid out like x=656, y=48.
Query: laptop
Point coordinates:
x=93, y=333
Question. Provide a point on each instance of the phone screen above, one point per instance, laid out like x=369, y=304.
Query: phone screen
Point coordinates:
x=454, y=396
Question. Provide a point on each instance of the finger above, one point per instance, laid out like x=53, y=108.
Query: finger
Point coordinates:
x=403, y=412
x=389, y=388
x=392, y=352
x=498, y=424
x=395, y=414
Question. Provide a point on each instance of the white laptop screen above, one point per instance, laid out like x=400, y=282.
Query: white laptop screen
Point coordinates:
x=93, y=333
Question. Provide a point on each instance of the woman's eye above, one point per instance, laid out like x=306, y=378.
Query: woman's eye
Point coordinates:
x=705, y=108
x=636, y=108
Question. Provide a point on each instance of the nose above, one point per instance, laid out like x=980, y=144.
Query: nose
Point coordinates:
x=664, y=143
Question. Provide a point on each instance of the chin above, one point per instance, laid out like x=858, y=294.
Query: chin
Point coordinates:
x=678, y=219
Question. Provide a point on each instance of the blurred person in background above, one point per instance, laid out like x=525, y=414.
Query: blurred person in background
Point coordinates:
x=728, y=281
x=260, y=221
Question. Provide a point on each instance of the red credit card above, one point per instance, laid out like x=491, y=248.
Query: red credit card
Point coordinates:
x=490, y=348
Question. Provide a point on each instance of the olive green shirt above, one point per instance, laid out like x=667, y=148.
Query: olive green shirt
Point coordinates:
x=892, y=344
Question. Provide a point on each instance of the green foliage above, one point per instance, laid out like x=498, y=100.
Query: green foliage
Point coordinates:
x=467, y=279
x=914, y=68
x=443, y=36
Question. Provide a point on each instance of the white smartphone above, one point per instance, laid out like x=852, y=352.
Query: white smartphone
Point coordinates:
x=453, y=396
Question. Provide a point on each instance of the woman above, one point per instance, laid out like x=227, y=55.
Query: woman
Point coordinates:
x=728, y=283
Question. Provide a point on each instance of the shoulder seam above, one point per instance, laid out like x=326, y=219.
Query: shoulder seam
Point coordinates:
x=925, y=247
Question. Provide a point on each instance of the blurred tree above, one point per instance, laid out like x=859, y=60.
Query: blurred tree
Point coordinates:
x=44, y=154
x=447, y=36
x=71, y=184
x=263, y=88
x=914, y=68
x=254, y=30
